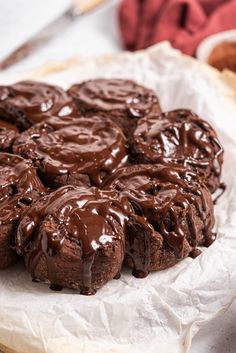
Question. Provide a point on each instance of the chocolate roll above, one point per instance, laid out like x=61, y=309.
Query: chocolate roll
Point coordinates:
x=8, y=134
x=122, y=101
x=73, y=238
x=73, y=151
x=19, y=188
x=170, y=213
x=180, y=137
x=28, y=102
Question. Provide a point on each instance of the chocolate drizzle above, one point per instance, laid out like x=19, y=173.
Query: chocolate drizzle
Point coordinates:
x=63, y=150
x=89, y=218
x=152, y=209
x=223, y=188
x=28, y=102
x=167, y=200
x=122, y=101
x=19, y=186
x=180, y=137
x=138, y=233
x=195, y=253
x=8, y=134
x=115, y=94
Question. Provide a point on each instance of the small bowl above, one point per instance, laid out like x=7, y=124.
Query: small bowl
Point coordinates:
x=205, y=48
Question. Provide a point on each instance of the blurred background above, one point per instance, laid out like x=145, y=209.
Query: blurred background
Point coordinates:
x=121, y=24
x=91, y=35
x=131, y=24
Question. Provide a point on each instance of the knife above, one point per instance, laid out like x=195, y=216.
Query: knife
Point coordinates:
x=77, y=9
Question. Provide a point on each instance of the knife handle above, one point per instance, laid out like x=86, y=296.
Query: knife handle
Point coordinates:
x=87, y=5
x=79, y=7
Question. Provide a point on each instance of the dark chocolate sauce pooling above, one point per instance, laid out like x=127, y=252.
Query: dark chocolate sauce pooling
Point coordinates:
x=28, y=102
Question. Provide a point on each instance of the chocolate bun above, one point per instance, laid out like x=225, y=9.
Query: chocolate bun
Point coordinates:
x=73, y=151
x=169, y=213
x=73, y=238
x=8, y=134
x=181, y=137
x=125, y=182
x=28, y=102
x=19, y=188
x=122, y=101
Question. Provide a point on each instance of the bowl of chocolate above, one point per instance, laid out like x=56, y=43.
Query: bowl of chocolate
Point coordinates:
x=219, y=50
x=98, y=177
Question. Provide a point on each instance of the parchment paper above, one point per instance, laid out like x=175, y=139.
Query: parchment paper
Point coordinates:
x=162, y=312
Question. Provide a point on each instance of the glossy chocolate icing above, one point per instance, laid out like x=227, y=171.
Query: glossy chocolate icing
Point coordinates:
x=114, y=94
x=71, y=146
x=19, y=186
x=222, y=188
x=28, y=102
x=122, y=101
x=159, y=206
x=169, y=199
x=87, y=216
x=8, y=134
x=195, y=253
x=181, y=137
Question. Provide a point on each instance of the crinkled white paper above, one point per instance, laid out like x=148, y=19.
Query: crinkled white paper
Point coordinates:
x=162, y=312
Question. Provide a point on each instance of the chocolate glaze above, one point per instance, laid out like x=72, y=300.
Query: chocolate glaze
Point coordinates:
x=195, y=253
x=114, y=94
x=122, y=101
x=168, y=200
x=87, y=216
x=223, y=188
x=28, y=102
x=181, y=137
x=164, y=210
x=70, y=147
x=19, y=186
x=8, y=134
x=56, y=287
x=210, y=240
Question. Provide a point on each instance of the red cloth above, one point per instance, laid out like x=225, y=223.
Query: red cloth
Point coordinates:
x=183, y=22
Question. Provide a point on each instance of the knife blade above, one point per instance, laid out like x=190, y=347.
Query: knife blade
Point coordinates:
x=79, y=8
